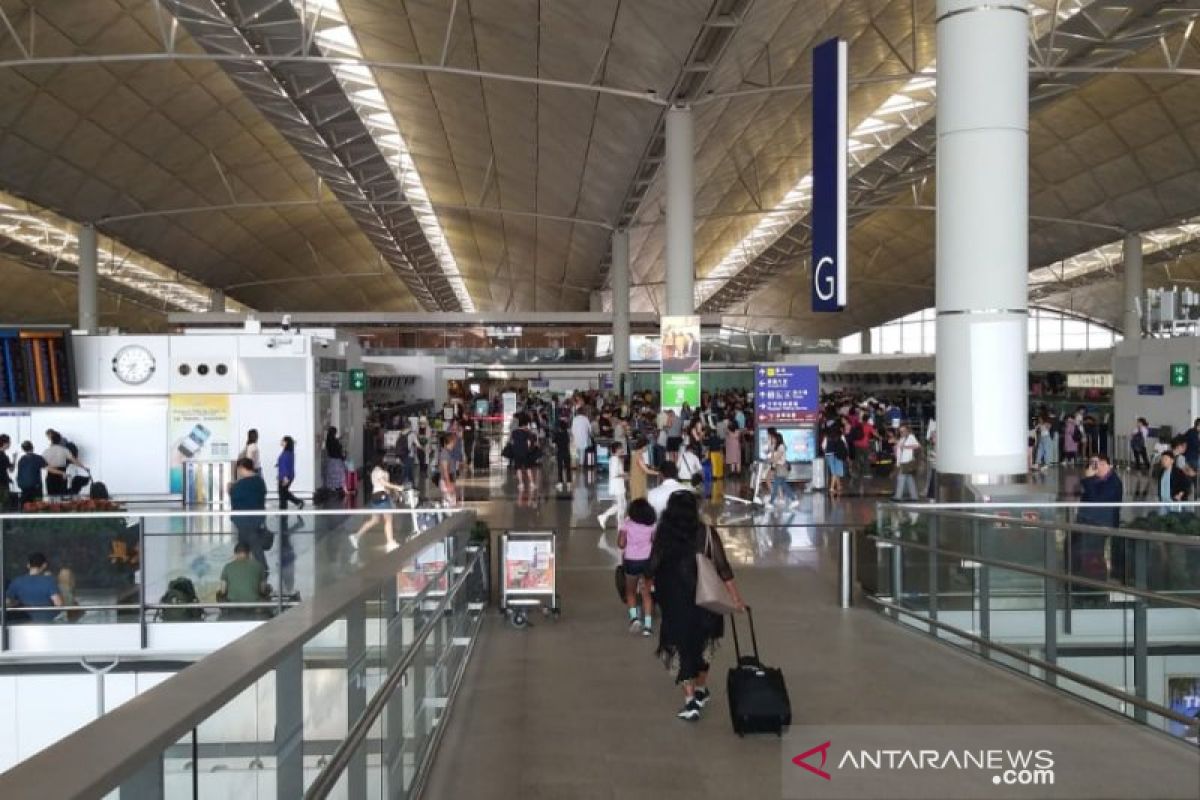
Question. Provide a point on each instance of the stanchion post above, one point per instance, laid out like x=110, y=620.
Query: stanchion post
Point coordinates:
x=846, y=570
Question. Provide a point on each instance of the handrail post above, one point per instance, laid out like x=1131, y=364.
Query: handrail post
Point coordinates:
x=147, y=782
x=1141, y=552
x=356, y=690
x=143, y=576
x=4, y=583
x=289, y=726
x=933, y=574
x=846, y=570
x=1050, y=600
x=984, y=583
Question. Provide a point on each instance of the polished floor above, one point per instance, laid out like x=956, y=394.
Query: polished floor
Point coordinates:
x=580, y=708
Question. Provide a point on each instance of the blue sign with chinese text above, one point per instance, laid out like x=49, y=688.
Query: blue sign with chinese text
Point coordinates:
x=787, y=394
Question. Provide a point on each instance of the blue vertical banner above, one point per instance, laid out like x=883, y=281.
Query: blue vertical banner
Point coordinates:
x=830, y=147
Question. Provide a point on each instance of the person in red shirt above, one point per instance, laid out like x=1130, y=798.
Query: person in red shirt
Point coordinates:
x=862, y=447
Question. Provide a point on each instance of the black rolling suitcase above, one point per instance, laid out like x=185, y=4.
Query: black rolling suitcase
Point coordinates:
x=482, y=458
x=758, y=697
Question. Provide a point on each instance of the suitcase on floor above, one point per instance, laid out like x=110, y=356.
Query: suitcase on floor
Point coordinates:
x=482, y=458
x=758, y=697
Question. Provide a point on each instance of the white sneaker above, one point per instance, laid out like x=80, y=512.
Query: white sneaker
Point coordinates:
x=354, y=540
x=602, y=520
x=794, y=504
x=393, y=546
x=635, y=625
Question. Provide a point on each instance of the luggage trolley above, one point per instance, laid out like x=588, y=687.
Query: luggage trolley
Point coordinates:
x=528, y=576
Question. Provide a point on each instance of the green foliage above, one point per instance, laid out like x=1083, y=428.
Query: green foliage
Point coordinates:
x=1182, y=523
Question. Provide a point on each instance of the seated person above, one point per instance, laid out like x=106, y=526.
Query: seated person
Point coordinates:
x=38, y=588
x=243, y=580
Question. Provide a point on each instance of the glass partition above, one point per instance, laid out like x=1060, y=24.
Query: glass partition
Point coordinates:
x=1109, y=614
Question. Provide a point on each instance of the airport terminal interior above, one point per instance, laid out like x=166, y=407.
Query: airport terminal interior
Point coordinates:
x=609, y=399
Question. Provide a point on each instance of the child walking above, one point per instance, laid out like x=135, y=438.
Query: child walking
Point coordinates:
x=635, y=539
x=616, y=485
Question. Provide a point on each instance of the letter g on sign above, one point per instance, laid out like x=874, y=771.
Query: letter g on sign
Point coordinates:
x=825, y=279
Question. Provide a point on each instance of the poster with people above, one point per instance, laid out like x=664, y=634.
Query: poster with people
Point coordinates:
x=679, y=346
x=200, y=428
x=426, y=567
x=529, y=566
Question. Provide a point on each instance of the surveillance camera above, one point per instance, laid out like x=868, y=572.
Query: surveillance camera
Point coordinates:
x=286, y=323
x=271, y=344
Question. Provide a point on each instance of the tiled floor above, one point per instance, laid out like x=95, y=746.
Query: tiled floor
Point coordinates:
x=579, y=708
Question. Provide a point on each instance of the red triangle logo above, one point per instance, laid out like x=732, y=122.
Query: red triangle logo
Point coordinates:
x=802, y=760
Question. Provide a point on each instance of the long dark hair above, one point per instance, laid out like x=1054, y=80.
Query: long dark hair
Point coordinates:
x=678, y=527
x=289, y=443
x=252, y=436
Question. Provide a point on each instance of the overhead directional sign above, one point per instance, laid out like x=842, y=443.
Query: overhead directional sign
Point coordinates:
x=787, y=394
x=830, y=147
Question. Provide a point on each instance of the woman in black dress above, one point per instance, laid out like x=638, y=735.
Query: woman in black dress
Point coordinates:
x=688, y=631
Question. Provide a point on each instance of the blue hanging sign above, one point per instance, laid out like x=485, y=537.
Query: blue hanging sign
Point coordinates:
x=786, y=394
x=830, y=148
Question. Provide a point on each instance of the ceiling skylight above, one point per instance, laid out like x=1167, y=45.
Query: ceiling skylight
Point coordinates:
x=336, y=38
x=54, y=236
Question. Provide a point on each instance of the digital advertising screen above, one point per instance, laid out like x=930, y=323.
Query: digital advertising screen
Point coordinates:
x=801, y=444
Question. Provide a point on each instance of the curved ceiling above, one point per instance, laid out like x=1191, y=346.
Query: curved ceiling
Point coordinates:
x=350, y=155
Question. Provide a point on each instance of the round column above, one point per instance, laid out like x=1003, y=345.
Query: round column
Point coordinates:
x=89, y=280
x=620, y=309
x=681, y=269
x=982, y=238
x=1132, y=258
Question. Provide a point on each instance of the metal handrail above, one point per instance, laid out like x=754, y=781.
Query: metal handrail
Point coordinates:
x=269, y=512
x=1013, y=652
x=1013, y=566
x=325, y=782
x=1075, y=527
x=116, y=746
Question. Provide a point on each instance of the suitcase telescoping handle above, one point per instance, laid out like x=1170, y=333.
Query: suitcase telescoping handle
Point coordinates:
x=737, y=648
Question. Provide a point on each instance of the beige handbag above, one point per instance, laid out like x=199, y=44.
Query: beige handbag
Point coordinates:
x=711, y=592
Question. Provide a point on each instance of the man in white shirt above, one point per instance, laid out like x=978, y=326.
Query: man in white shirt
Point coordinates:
x=581, y=435
x=906, y=458
x=659, y=495
x=689, y=465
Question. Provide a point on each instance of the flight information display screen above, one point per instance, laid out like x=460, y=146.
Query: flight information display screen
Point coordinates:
x=36, y=368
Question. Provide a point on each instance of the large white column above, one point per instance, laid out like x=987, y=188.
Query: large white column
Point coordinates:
x=620, y=310
x=982, y=237
x=681, y=268
x=1132, y=257
x=89, y=315
x=865, y=343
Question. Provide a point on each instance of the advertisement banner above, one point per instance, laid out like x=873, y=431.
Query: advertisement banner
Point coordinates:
x=199, y=428
x=786, y=395
x=529, y=566
x=679, y=347
x=829, y=255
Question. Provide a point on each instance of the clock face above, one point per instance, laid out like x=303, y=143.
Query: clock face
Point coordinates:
x=133, y=364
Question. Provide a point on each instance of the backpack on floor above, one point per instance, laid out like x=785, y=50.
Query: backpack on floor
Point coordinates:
x=181, y=592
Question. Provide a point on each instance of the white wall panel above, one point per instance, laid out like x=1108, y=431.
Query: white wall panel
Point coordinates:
x=276, y=416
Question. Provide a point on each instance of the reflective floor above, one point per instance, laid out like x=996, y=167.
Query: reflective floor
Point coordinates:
x=580, y=708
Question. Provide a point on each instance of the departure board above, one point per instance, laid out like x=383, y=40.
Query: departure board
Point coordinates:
x=36, y=368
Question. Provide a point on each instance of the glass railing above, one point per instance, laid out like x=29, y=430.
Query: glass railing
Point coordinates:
x=118, y=581
x=1109, y=614
x=344, y=695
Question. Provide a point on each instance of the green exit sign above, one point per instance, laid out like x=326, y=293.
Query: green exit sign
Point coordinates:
x=1181, y=375
x=358, y=380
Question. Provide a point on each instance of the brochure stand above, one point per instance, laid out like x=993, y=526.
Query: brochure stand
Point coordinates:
x=528, y=576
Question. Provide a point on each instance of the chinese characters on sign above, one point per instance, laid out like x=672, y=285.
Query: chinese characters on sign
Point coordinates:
x=788, y=394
